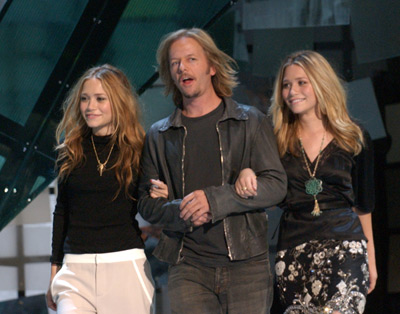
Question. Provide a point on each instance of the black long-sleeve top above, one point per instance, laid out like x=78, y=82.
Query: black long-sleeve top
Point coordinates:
x=347, y=182
x=86, y=218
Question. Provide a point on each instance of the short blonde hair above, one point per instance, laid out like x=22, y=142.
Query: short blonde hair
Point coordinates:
x=224, y=81
x=331, y=100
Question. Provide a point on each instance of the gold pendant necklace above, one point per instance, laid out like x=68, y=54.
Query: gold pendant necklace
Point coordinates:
x=101, y=166
x=313, y=185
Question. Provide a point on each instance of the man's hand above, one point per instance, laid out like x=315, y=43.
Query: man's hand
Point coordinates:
x=195, y=206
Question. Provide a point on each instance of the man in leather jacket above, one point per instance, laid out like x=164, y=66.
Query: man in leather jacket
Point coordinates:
x=215, y=240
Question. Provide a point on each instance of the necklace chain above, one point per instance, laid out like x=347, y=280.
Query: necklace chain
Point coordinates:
x=101, y=166
x=312, y=174
x=313, y=185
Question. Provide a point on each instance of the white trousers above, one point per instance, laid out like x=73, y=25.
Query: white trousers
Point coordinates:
x=106, y=283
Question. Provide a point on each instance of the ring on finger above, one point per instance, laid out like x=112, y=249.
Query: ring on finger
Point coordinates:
x=244, y=188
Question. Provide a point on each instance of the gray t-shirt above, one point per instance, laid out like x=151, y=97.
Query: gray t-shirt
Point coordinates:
x=202, y=165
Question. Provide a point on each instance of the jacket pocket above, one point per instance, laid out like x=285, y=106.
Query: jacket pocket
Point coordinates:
x=257, y=222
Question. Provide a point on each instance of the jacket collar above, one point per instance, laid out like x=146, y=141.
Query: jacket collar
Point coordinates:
x=232, y=111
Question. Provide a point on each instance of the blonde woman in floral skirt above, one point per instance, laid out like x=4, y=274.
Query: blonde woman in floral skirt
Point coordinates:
x=326, y=257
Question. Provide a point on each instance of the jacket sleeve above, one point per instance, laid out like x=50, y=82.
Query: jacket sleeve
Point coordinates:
x=158, y=211
x=271, y=178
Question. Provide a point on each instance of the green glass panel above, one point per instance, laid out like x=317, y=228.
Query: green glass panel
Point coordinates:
x=35, y=33
x=134, y=42
x=2, y=161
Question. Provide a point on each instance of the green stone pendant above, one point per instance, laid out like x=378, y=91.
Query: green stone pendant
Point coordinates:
x=313, y=186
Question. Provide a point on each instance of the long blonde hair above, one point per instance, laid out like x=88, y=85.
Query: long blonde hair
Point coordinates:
x=224, y=81
x=128, y=133
x=331, y=100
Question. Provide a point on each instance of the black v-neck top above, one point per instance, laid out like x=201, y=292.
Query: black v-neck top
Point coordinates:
x=86, y=218
x=347, y=182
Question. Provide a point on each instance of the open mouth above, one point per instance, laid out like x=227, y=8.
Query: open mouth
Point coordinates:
x=187, y=80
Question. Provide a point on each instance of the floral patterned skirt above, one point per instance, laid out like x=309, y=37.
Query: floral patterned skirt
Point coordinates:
x=323, y=276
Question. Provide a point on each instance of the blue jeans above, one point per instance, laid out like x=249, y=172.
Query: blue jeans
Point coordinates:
x=239, y=288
